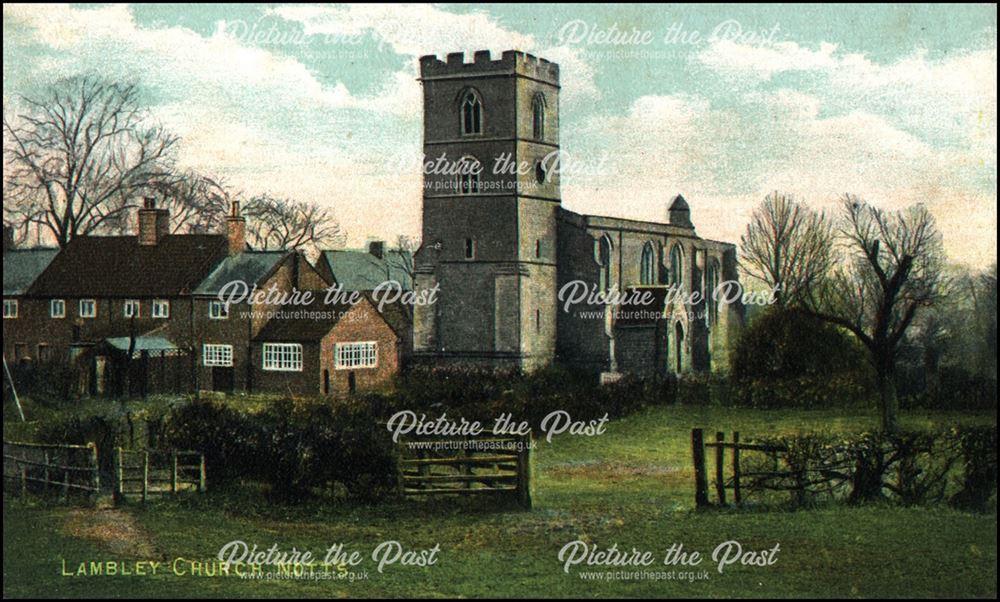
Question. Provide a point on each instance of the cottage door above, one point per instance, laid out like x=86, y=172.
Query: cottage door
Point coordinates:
x=223, y=379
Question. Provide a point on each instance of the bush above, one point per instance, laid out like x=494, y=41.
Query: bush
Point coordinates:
x=786, y=358
x=908, y=468
x=292, y=446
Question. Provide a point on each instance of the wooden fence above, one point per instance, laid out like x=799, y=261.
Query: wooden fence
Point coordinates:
x=471, y=466
x=720, y=481
x=46, y=469
x=158, y=472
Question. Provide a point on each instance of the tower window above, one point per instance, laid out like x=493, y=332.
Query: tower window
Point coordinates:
x=538, y=320
x=472, y=113
x=470, y=248
x=538, y=117
x=540, y=172
x=647, y=264
x=538, y=248
x=469, y=169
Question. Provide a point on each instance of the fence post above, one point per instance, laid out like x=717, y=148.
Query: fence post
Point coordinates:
x=65, y=486
x=720, y=476
x=145, y=476
x=45, y=474
x=173, y=472
x=120, y=477
x=524, y=472
x=700, y=478
x=96, y=467
x=737, y=492
x=202, y=485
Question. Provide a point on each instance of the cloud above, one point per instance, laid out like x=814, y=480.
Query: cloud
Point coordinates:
x=440, y=31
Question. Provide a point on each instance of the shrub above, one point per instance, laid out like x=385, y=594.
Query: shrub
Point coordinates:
x=908, y=468
x=786, y=358
x=293, y=446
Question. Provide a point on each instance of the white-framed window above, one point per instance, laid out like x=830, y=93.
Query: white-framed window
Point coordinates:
x=218, y=310
x=88, y=308
x=355, y=355
x=57, y=308
x=131, y=308
x=9, y=309
x=217, y=356
x=283, y=357
x=161, y=308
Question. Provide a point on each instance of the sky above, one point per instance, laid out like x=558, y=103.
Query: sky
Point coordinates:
x=723, y=104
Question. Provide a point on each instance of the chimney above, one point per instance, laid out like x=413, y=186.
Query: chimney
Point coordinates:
x=8, y=238
x=377, y=248
x=236, y=230
x=154, y=223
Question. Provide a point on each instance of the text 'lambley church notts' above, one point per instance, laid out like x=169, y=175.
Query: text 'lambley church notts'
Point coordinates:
x=499, y=246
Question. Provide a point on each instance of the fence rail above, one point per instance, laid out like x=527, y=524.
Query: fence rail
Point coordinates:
x=737, y=482
x=158, y=472
x=467, y=467
x=47, y=468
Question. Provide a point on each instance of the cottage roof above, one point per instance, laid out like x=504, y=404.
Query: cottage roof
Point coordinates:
x=360, y=270
x=22, y=266
x=118, y=266
x=250, y=267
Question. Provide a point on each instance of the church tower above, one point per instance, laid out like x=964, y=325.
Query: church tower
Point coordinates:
x=490, y=202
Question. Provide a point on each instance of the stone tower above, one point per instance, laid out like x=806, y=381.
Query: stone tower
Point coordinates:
x=490, y=203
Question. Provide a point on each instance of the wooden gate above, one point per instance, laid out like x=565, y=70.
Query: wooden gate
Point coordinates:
x=471, y=466
x=147, y=472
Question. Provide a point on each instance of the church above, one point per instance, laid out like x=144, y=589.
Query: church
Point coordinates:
x=502, y=251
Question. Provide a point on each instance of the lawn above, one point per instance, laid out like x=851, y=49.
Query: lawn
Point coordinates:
x=630, y=486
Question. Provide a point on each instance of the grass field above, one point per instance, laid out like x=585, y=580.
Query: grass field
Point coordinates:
x=630, y=486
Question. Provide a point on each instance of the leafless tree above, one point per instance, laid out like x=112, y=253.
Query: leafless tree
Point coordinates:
x=198, y=204
x=892, y=267
x=787, y=246
x=288, y=224
x=79, y=157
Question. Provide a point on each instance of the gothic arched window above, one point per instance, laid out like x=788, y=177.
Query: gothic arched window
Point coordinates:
x=538, y=117
x=676, y=265
x=472, y=113
x=647, y=264
x=604, y=262
x=711, y=282
x=469, y=169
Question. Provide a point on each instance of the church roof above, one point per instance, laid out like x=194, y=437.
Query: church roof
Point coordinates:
x=679, y=204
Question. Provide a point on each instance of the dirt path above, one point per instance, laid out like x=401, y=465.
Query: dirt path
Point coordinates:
x=112, y=529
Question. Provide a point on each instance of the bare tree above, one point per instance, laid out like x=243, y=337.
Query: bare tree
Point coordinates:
x=77, y=160
x=893, y=267
x=787, y=246
x=289, y=224
x=198, y=204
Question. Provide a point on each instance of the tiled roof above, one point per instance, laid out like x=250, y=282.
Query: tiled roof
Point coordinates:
x=118, y=266
x=250, y=266
x=22, y=266
x=356, y=270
